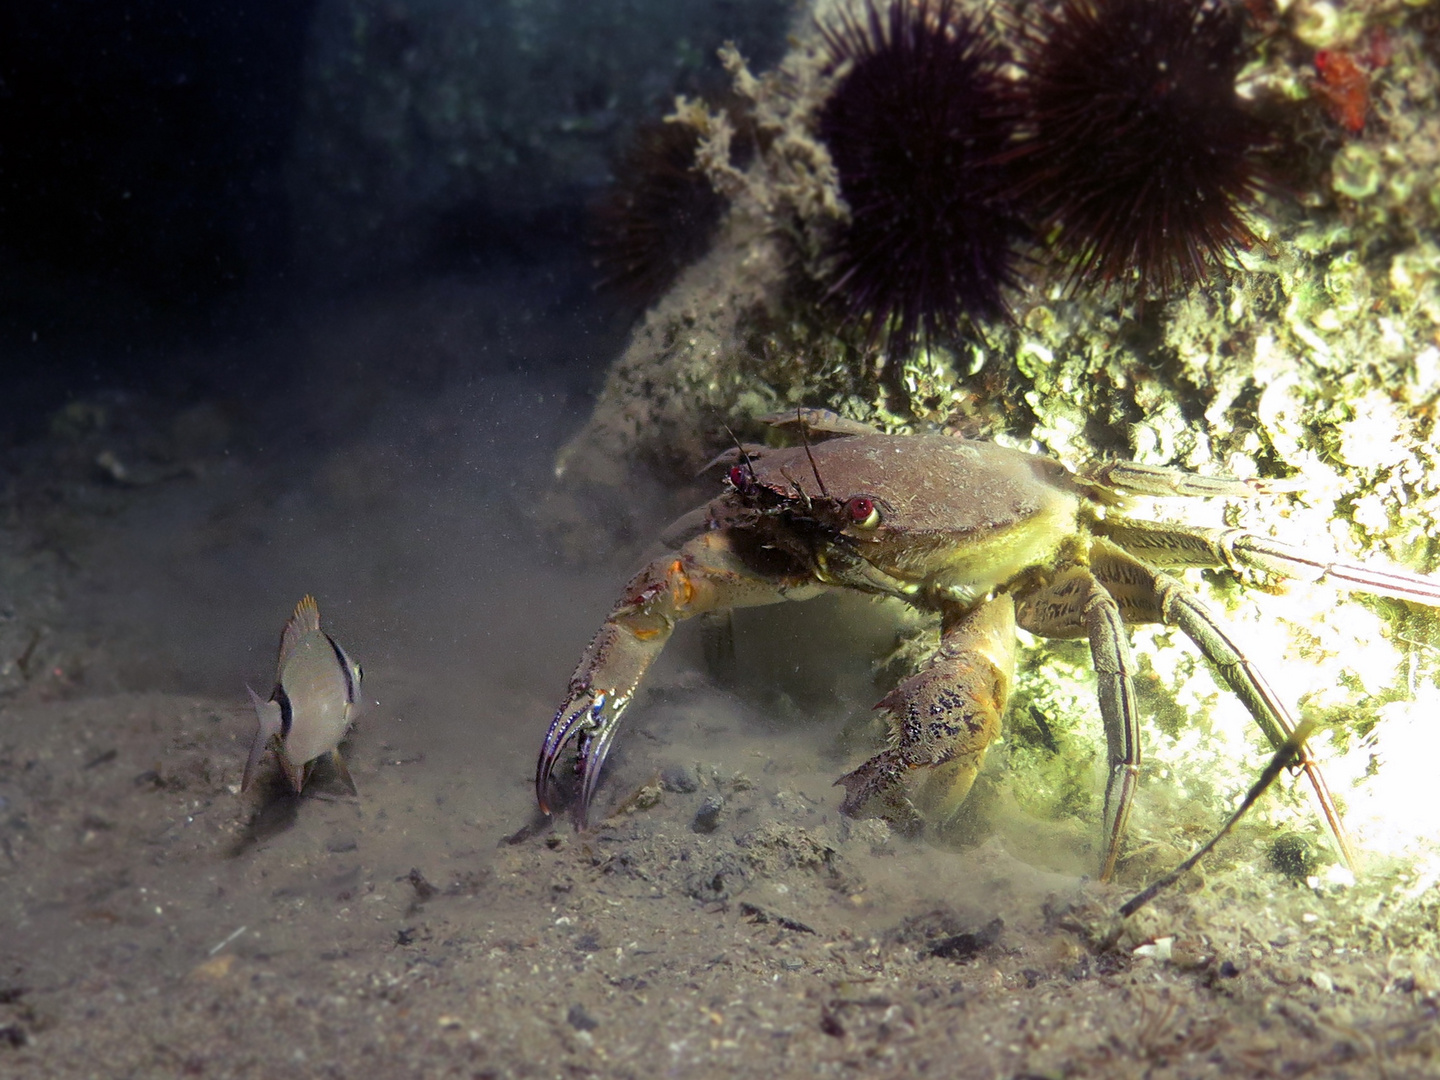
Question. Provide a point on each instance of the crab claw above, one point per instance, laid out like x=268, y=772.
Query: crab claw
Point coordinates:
x=941, y=719
x=878, y=786
x=591, y=717
x=600, y=689
x=703, y=575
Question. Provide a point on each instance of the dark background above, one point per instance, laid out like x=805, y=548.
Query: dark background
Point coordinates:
x=148, y=223
x=143, y=208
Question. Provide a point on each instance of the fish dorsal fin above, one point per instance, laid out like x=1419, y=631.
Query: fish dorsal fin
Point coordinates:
x=305, y=620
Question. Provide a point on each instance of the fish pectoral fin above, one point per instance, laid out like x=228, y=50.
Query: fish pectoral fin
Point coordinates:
x=343, y=771
x=268, y=714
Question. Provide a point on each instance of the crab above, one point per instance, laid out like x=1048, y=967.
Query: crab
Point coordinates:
x=989, y=538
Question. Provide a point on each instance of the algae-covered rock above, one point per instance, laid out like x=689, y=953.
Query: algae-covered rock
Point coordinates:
x=1314, y=358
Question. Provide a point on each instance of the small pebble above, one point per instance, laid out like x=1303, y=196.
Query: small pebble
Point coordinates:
x=1159, y=949
x=708, y=816
x=215, y=969
x=1294, y=856
x=679, y=778
x=581, y=1020
x=423, y=889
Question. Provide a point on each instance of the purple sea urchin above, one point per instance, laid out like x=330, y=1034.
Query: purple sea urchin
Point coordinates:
x=916, y=129
x=1136, y=144
x=659, y=215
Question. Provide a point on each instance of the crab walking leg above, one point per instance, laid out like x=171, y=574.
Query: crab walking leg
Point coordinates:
x=1114, y=672
x=1149, y=595
x=1075, y=604
x=1181, y=608
x=1133, y=478
x=706, y=574
x=943, y=718
x=1290, y=560
x=1180, y=545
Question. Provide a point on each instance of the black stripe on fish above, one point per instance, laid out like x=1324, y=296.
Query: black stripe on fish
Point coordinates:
x=344, y=662
x=287, y=712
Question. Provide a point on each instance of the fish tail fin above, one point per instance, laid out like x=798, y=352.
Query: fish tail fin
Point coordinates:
x=268, y=713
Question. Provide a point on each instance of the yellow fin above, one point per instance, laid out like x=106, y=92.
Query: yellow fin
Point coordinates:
x=305, y=620
x=344, y=771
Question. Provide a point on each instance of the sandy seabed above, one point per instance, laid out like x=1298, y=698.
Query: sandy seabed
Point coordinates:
x=724, y=921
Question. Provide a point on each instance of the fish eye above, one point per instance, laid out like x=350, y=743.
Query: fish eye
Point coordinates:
x=862, y=512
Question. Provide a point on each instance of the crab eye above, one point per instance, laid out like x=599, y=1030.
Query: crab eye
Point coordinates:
x=862, y=512
x=738, y=477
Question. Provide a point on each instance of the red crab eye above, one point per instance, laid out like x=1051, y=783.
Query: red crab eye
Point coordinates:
x=862, y=512
x=738, y=477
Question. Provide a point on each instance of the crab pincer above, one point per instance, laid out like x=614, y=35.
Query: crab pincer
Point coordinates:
x=942, y=719
x=590, y=715
x=703, y=575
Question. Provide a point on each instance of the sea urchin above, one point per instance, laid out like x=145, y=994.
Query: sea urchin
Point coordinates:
x=658, y=217
x=916, y=129
x=1136, y=144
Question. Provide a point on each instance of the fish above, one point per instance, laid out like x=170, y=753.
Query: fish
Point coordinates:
x=317, y=686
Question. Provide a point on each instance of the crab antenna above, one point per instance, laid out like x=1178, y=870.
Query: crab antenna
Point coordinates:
x=805, y=438
x=1284, y=757
x=749, y=465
